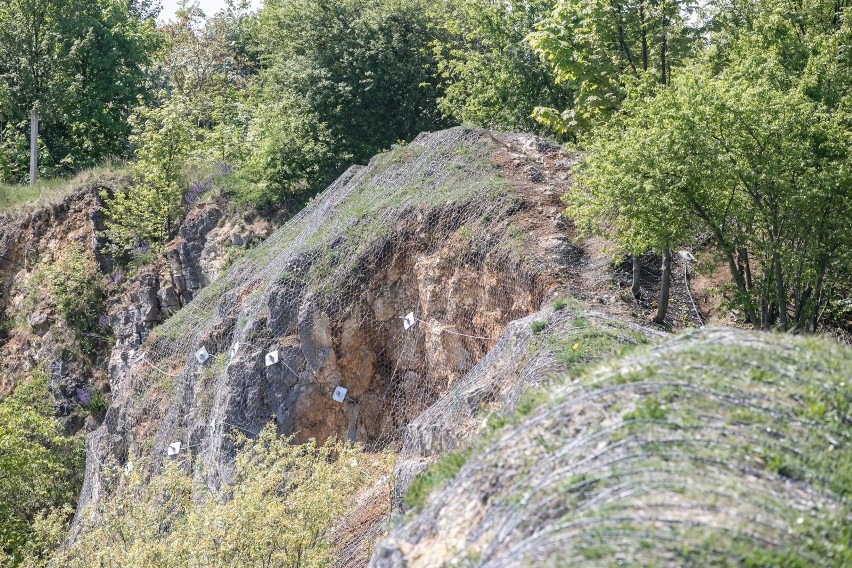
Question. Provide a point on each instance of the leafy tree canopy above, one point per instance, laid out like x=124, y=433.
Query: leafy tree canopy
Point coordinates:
x=603, y=48
x=82, y=62
x=490, y=75
x=744, y=154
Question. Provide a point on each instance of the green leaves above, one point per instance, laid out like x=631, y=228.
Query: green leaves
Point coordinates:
x=362, y=69
x=40, y=468
x=74, y=284
x=491, y=76
x=740, y=155
x=278, y=510
x=146, y=215
x=604, y=49
x=83, y=61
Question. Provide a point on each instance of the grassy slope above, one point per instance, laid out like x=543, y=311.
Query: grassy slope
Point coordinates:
x=718, y=447
x=47, y=192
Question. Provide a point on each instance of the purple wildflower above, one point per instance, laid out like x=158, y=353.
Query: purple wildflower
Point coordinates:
x=197, y=187
x=140, y=249
x=84, y=395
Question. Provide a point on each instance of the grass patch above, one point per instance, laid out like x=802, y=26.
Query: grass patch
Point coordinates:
x=433, y=477
x=48, y=191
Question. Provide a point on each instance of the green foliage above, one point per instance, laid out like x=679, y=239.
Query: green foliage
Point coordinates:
x=97, y=404
x=352, y=76
x=146, y=214
x=40, y=468
x=207, y=64
x=278, y=510
x=432, y=478
x=744, y=156
x=294, y=155
x=537, y=326
x=491, y=76
x=83, y=62
x=75, y=288
x=605, y=50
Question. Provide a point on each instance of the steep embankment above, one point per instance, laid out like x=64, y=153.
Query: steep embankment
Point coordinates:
x=461, y=228
x=563, y=337
x=718, y=447
x=64, y=304
x=33, y=245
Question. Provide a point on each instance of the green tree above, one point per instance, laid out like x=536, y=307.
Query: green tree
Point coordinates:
x=491, y=77
x=208, y=63
x=606, y=50
x=83, y=62
x=145, y=215
x=363, y=68
x=759, y=166
x=603, y=48
x=40, y=468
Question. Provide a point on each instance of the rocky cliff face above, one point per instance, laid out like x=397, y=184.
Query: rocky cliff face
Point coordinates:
x=358, y=316
x=34, y=332
x=422, y=230
x=34, y=335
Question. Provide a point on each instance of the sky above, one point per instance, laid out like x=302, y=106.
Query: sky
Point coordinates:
x=209, y=7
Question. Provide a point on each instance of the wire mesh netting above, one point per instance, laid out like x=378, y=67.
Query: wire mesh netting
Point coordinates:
x=309, y=329
x=564, y=337
x=721, y=447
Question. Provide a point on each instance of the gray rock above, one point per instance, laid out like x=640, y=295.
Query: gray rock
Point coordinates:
x=40, y=322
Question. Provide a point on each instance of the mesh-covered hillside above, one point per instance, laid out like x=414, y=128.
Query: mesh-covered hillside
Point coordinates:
x=458, y=230
x=716, y=448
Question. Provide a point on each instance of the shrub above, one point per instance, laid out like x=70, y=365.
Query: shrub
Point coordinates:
x=40, y=468
x=278, y=510
x=75, y=288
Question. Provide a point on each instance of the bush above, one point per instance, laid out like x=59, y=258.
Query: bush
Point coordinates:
x=79, y=298
x=278, y=510
x=40, y=468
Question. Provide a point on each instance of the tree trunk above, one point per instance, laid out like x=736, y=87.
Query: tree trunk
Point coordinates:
x=665, y=281
x=664, y=52
x=742, y=260
x=813, y=314
x=644, y=29
x=780, y=291
x=637, y=274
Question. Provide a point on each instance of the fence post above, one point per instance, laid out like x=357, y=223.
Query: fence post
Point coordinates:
x=33, y=144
